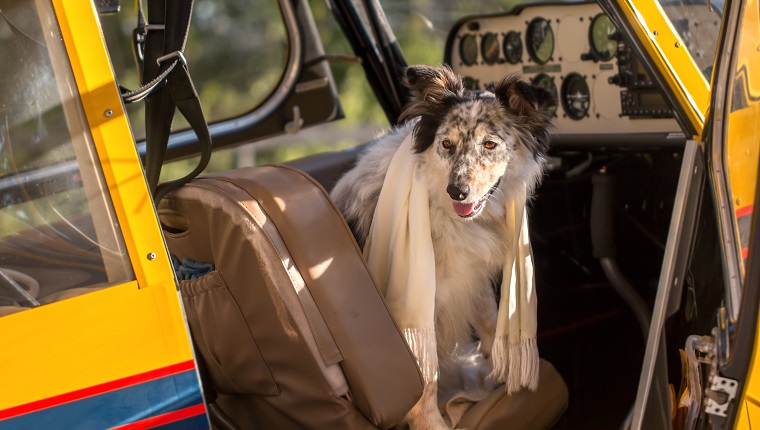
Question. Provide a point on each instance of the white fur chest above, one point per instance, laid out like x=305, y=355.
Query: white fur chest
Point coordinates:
x=468, y=254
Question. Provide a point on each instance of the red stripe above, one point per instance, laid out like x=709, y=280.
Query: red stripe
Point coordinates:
x=167, y=418
x=745, y=252
x=97, y=389
x=746, y=210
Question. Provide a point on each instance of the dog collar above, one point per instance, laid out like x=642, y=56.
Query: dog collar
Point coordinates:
x=495, y=186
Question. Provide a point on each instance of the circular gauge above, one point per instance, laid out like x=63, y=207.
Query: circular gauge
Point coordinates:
x=540, y=40
x=542, y=80
x=576, y=96
x=468, y=49
x=513, y=47
x=489, y=47
x=602, y=46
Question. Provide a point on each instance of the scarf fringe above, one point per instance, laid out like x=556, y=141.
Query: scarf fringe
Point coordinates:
x=422, y=343
x=515, y=364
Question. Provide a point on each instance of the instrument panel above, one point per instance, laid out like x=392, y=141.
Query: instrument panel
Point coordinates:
x=575, y=52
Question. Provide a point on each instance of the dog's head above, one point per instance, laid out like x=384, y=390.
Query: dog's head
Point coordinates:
x=475, y=138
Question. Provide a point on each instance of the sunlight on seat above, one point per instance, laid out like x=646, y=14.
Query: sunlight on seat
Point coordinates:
x=280, y=203
x=318, y=270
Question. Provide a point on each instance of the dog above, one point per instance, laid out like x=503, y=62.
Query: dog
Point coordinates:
x=473, y=146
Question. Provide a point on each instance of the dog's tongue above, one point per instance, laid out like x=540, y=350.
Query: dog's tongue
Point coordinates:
x=463, y=209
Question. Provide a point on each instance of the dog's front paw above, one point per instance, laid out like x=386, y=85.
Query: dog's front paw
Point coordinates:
x=425, y=414
x=429, y=422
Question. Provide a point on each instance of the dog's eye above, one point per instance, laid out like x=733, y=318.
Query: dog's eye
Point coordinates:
x=446, y=144
x=489, y=144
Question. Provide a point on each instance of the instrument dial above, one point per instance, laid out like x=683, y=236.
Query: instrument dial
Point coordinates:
x=489, y=48
x=602, y=45
x=546, y=82
x=540, y=40
x=468, y=49
x=513, y=47
x=576, y=96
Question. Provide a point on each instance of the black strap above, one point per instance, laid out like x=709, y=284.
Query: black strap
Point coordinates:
x=159, y=46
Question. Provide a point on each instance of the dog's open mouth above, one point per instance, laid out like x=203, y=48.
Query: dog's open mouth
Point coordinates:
x=469, y=210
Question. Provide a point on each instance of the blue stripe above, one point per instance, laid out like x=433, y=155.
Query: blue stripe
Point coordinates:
x=196, y=422
x=118, y=407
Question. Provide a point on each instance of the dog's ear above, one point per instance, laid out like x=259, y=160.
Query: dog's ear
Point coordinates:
x=430, y=88
x=522, y=98
x=432, y=83
x=432, y=91
x=531, y=104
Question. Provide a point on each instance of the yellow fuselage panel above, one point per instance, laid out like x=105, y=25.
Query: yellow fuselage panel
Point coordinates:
x=89, y=340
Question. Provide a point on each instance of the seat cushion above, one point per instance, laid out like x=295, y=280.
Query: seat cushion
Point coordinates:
x=524, y=410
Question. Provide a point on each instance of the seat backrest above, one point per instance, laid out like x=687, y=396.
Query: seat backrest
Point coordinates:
x=292, y=330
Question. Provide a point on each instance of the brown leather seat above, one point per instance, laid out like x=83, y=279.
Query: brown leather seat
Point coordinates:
x=290, y=325
x=524, y=410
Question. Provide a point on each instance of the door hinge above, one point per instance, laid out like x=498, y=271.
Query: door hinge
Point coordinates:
x=719, y=395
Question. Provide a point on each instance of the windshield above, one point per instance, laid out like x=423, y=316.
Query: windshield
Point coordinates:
x=422, y=26
x=698, y=25
x=695, y=22
x=58, y=235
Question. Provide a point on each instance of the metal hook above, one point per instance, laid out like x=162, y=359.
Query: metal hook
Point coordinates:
x=294, y=126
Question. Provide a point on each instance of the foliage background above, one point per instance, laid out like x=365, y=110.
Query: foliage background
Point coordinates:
x=236, y=52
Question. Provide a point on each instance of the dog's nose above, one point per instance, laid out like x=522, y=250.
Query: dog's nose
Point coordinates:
x=458, y=193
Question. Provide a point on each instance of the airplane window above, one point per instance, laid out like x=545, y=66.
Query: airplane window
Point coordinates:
x=236, y=52
x=742, y=128
x=698, y=25
x=58, y=233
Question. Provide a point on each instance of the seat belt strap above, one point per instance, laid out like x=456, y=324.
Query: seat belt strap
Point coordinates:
x=167, y=86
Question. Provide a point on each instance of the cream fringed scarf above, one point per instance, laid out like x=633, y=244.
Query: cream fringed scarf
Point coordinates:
x=399, y=252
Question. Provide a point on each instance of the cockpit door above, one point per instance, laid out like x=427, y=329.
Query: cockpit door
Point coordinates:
x=734, y=146
x=705, y=57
